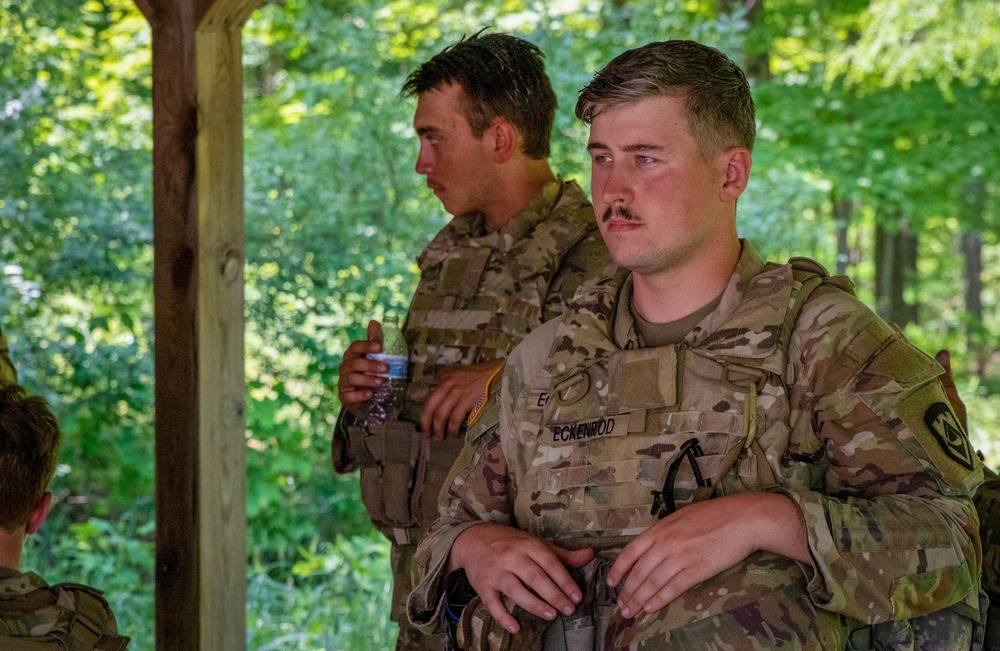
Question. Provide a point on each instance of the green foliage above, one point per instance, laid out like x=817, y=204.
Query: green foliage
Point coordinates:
x=876, y=102
x=335, y=597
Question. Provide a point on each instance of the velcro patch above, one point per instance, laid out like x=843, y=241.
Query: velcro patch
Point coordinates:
x=924, y=412
x=943, y=424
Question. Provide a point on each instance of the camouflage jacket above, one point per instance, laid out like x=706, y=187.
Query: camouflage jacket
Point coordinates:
x=479, y=294
x=845, y=420
x=7, y=372
x=67, y=615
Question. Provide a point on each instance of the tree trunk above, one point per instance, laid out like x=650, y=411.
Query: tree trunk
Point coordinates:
x=972, y=249
x=842, y=214
x=895, y=271
x=973, y=203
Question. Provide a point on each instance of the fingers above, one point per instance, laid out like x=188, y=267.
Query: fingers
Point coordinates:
x=508, y=562
x=495, y=605
x=446, y=409
x=375, y=333
x=441, y=416
x=359, y=376
x=653, y=583
x=575, y=558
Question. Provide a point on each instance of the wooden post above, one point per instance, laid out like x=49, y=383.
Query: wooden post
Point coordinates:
x=198, y=316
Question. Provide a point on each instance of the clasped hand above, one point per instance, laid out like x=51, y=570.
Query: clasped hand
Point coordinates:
x=687, y=547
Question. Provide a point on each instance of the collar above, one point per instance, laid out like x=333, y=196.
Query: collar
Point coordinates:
x=15, y=584
x=624, y=332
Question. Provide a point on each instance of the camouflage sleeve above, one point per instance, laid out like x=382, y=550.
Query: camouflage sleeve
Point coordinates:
x=988, y=505
x=587, y=262
x=7, y=372
x=890, y=522
x=476, y=491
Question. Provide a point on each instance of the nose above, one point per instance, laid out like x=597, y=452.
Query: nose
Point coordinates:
x=615, y=185
x=425, y=163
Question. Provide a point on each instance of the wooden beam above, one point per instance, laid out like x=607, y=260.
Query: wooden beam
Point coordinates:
x=222, y=474
x=228, y=14
x=146, y=7
x=175, y=320
x=198, y=317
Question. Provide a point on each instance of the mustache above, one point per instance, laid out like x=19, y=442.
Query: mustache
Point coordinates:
x=620, y=211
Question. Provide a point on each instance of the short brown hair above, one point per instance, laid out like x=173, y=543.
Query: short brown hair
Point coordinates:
x=720, y=110
x=500, y=76
x=29, y=448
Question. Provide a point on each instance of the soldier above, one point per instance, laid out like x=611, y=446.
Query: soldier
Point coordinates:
x=707, y=451
x=7, y=371
x=33, y=614
x=520, y=243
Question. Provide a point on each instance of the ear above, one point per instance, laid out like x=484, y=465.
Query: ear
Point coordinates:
x=40, y=513
x=504, y=140
x=735, y=164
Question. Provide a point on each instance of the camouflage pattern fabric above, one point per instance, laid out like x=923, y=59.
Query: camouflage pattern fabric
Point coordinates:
x=987, y=501
x=863, y=441
x=35, y=615
x=7, y=372
x=479, y=294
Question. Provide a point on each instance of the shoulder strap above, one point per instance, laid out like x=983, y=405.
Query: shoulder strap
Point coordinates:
x=10, y=643
x=93, y=625
x=809, y=276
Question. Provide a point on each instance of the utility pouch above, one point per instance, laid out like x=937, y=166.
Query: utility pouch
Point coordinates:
x=585, y=629
x=387, y=455
x=436, y=459
x=478, y=631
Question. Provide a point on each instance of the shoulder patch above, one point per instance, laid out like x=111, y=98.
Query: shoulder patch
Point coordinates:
x=480, y=407
x=943, y=424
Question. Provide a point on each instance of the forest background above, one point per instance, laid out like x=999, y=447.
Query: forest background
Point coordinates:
x=878, y=154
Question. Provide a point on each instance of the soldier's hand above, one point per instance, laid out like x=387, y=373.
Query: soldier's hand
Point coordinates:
x=459, y=389
x=357, y=372
x=698, y=541
x=504, y=561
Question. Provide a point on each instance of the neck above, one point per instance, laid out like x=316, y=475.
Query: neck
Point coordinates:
x=516, y=186
x=675, y=293
x=11, y=544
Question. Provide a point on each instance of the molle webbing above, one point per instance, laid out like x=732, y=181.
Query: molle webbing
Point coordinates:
x=479, y=296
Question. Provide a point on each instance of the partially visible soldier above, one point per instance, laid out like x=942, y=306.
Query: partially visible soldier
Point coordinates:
x=520, y=243
x=34, y=615
x=988, y=505
x=987, y=501
x=708, y=451
x=7, y=372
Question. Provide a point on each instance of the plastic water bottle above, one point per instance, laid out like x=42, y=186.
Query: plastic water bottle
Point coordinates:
x=387, y=402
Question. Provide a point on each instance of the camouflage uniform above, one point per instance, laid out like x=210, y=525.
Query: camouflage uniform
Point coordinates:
x=832, y=409
x=34, y=615
x=988, y=504
x=479, y=294
x=7, y=372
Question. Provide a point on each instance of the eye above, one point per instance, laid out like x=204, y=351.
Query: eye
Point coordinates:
x=645, y=160
x=601, y=159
